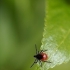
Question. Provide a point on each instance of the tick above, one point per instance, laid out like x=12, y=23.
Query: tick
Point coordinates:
x=40, y=56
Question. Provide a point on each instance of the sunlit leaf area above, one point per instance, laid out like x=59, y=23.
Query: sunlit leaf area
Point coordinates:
x=56, y=36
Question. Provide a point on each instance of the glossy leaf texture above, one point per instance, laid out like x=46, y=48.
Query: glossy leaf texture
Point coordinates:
x=56, y=36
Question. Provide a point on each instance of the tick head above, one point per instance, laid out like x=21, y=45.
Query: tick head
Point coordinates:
x=38, y=56
x=35, y=56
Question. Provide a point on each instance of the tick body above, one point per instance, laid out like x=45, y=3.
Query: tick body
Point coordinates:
x=40, y=56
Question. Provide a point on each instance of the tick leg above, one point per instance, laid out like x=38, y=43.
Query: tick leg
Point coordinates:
x=34, y=62
x=38, y=52
x=43, y=51
x=36, y=49
x=48, y=61
x=40, y=63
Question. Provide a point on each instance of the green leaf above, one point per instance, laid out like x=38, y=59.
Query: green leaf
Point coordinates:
x=56, y=36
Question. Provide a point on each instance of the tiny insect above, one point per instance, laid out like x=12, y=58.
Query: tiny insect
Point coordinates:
x=40, y=56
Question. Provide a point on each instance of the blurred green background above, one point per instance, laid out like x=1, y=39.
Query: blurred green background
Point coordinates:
x=21, y=27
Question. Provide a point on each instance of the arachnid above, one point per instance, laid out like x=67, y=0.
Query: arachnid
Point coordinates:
x=40, y=56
